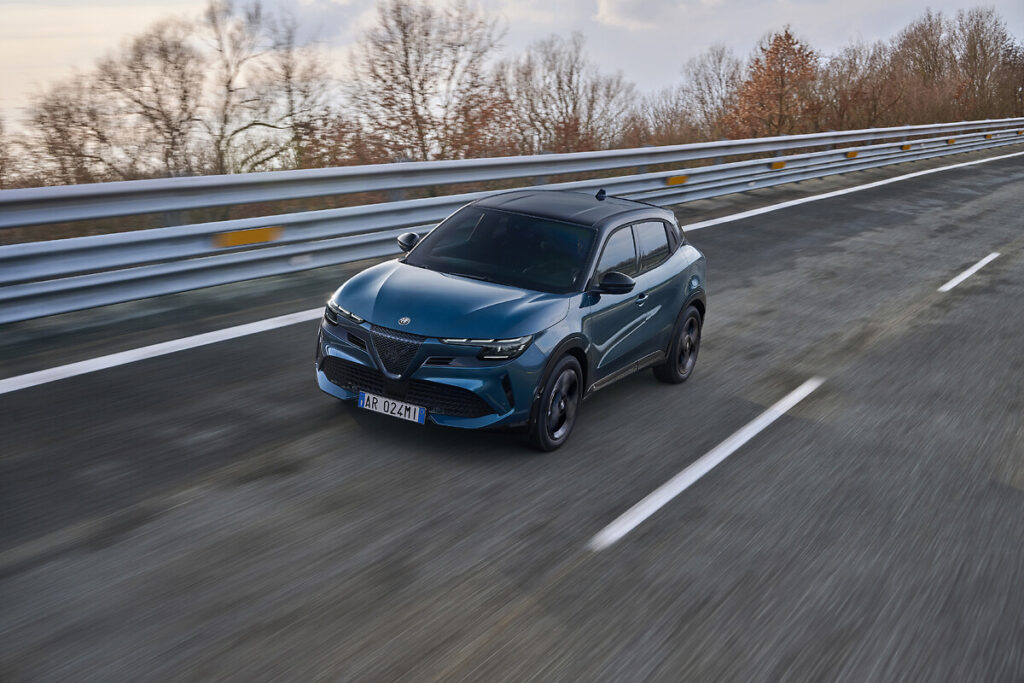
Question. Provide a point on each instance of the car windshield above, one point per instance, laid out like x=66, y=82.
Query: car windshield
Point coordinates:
x=507, y=248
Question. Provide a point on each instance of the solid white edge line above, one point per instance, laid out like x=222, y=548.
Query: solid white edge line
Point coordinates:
x=636, y=515
x=103, y=362
x=969, y=272
x=835, y=193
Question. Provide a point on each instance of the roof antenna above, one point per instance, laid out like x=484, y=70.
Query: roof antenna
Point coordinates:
x=600, y=195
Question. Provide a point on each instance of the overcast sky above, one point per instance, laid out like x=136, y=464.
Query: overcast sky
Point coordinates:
x=648, y=40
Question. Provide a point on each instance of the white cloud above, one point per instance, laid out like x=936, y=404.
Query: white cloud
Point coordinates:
x=43, y=42
x=624, y=15
x=648, y=40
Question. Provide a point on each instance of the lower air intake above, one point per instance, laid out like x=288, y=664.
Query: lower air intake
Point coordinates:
x=437, y=398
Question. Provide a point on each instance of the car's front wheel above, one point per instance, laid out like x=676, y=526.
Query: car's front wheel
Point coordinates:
x=557, y=406
x=682, y=352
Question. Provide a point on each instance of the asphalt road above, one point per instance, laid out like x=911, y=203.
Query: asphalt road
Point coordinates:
x=210, y=515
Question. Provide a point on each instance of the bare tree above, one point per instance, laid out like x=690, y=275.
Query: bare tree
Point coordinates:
x=420, y=86
x=158, y=80
x=662, y=118
x=295, y=81
x=858, y=88
x=76, y=134
x=980, y=44
x=923, y=60
x=236, y=119
x=1012, y=80
x=710, y=85
x=6, y=168
x=560, y=102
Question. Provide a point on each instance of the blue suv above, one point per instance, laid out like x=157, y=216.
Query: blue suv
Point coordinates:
x=513, y=309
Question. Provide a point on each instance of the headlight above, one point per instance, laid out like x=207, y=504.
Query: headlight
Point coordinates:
x=334, y=311
x=495, y=349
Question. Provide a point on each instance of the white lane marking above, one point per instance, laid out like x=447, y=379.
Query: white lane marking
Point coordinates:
x=113, y=360
x=969, y=272
x=835, y=193
x=634, y=516
x=53, y=374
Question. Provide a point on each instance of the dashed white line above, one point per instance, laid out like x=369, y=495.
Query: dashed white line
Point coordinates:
x=836, y=193
x=53, y=374
x=969, y=272
x=633, y=517
x=113, y=360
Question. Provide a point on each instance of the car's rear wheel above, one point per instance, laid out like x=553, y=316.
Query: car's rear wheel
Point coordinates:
x=682, y=352
x=558, y=406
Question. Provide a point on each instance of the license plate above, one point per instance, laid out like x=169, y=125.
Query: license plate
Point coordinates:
x=390, y=406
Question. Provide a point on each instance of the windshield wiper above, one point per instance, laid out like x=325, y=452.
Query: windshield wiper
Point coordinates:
x=473, y=277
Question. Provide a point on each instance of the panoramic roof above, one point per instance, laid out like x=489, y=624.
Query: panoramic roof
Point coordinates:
x=574, y=207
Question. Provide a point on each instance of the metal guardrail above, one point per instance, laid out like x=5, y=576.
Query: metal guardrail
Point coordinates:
x=49, y=277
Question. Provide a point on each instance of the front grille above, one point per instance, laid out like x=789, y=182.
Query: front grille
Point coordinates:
x=395, y=349
x=443, y=399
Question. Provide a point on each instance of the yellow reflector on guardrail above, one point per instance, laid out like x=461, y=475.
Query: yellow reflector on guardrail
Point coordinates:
x=905, y=147
x=238, y=238
x=676, y=179
x=1020, y=132
x=851, y=155
x=776, y=165
x=989, y=136
x=950, y=141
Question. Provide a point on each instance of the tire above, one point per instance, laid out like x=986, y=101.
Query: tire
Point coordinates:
x=558, y=405
x=682, y=352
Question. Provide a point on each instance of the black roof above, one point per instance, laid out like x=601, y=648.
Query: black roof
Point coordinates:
x=573, y=207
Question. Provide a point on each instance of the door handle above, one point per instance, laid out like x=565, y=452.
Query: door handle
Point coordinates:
x=641, y=299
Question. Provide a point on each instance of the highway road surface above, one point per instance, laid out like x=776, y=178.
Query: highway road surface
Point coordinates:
x=209, y=514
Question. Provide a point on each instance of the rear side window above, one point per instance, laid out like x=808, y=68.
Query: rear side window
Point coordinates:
x=652, y=243
x=619, y=254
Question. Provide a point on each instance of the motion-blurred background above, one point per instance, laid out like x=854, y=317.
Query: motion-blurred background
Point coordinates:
x=207, y=513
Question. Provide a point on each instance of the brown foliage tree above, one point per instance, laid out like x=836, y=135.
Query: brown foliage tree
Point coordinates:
x=776, y=96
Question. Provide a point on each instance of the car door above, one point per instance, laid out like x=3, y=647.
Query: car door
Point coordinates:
x=612, y=321
x=657, y=288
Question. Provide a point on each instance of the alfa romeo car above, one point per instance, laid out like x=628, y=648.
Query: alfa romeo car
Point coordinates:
x=513, y=309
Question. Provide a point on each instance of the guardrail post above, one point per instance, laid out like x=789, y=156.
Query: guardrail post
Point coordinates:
x=176, y=216
x=397, y=194
x=542, y=179
x=719, y=160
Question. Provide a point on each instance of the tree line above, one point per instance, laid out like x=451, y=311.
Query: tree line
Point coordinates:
x=236, y=91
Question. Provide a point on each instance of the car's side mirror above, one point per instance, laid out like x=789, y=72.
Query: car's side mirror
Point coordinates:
x=615, y=282
x=408, y=240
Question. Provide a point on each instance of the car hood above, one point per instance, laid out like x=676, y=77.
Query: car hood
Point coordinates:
x=440, y=305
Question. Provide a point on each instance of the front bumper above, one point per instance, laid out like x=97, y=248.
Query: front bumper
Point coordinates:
x=464, y=392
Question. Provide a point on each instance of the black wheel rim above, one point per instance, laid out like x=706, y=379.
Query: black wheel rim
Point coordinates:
x=562, y=404
x=689, y=344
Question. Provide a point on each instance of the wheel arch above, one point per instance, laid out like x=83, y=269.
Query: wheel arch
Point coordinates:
x=699, y=301
x=575, y=345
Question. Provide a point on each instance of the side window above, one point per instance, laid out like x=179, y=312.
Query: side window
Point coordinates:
x=653, y=244
x=619, y=254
